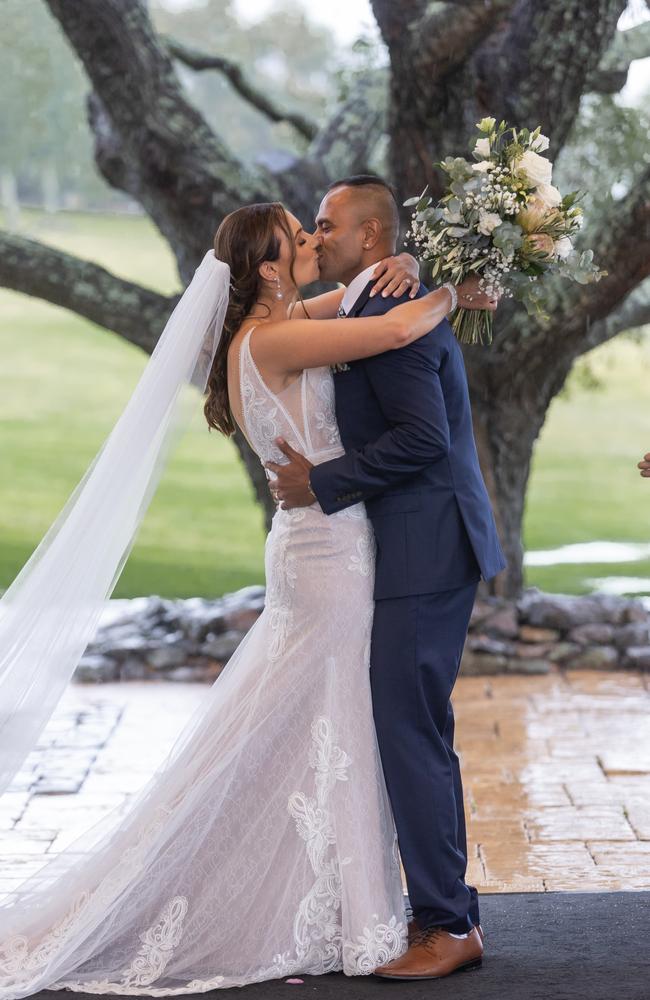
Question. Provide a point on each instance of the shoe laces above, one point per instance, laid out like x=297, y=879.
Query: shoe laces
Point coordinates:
x=427, y=937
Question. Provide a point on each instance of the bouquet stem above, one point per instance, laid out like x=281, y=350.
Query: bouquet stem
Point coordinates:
x=473, y=326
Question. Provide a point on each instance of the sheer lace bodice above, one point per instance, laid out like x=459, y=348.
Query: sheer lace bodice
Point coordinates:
x=303, y=413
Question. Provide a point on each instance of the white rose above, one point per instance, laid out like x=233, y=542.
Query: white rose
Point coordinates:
x=488, y=222
x=482, y=166
x=482, y=147
x=548, y=194
x=540, y=143
x=563, y=247
x=537, y=168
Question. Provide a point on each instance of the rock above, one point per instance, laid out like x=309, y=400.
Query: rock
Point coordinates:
x=636, y=611
x=221, y=647
x=585, y=635
x=531, y=651
x=504, y=622
x=134, y=669
x=525, y=665
x=204, y=673
x=565, y=612
x=634, y=634
x=563, y=651
x=595, y=658
x=120, y=645
x=172, y=654
x=487, y=644
x=482, y=609
x=478, y=664
x=531, y=633
x=94, y=669
x=638, y=657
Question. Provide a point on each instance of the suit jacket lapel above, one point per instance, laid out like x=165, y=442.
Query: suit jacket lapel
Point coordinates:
x=361, y=301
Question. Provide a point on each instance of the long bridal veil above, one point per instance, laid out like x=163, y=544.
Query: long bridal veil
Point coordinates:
x=50, y=612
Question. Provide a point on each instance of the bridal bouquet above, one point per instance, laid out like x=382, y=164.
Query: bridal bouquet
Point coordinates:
x=501, y=218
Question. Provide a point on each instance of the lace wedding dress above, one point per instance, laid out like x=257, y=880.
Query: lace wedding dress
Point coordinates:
x=264, y=845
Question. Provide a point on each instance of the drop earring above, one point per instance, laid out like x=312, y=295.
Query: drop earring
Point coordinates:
x=278, y=290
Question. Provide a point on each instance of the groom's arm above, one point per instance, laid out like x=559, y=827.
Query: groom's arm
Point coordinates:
x=406, y=383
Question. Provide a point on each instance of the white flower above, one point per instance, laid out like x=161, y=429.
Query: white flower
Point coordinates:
x=482, y=166
x=563, y=247
x=537, y=168
x=482, y=147
x=540, y=143
x=488, y=222
x=548, y=194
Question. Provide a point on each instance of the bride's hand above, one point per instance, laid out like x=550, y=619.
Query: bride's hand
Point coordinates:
x=396, y=276
x=470, y=296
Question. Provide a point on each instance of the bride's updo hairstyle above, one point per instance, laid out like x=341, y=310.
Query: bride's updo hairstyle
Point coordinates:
x=244, y=240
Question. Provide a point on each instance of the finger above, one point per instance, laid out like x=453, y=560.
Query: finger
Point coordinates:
x=404, y=286
x=286, y=449
x=391, y=286
x=273, y=467
x=382, y=276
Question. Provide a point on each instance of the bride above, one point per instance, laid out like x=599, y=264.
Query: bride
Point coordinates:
x=264, y=845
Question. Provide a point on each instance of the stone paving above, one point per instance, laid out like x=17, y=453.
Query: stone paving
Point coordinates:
x=556, y=770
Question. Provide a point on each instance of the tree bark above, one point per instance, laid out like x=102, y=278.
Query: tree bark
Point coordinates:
x=135, y=313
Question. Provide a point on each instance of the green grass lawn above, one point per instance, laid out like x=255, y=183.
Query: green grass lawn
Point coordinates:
x=63, y=382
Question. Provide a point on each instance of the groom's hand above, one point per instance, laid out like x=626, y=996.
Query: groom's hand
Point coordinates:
x=291, y=487
x=644, y=465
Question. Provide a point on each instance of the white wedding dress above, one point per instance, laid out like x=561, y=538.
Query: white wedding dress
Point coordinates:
x=264, y=846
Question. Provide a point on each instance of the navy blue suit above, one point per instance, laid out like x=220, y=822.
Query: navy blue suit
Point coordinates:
x=406, y=425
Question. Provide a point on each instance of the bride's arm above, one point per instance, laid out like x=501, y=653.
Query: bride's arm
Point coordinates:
x=324, y=306
x=393, y=276
x=293, y=345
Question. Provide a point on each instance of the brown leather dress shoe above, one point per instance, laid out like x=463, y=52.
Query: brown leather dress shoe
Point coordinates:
x=413, y=929
x=434, y=953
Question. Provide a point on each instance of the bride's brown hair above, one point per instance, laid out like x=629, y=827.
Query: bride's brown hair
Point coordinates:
x=244, y=240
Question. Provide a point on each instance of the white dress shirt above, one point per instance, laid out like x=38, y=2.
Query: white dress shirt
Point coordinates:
x=356, y=286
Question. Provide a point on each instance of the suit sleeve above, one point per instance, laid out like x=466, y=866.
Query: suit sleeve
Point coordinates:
x=407, y=385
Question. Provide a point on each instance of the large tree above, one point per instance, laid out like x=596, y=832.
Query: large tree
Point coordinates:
x=451, y=62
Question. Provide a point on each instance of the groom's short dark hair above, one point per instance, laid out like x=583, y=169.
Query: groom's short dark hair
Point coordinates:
x=378, y=186
x=364, y=180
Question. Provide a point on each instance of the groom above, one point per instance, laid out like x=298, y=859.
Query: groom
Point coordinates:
x=406, y=425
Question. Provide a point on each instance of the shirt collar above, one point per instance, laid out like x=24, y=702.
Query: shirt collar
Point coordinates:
x=356, y=286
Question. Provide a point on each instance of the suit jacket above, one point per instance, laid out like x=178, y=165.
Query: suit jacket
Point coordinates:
x=406, y=424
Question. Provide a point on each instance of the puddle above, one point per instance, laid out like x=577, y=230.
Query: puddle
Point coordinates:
x=620, y=586
x=591, y=552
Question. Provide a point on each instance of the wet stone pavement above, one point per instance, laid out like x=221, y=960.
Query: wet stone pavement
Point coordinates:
x=556, y=771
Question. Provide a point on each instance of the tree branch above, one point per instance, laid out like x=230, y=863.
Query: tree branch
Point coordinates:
x=182, y=174
x=632, y=314
x=135, y=313
x=201, y=61
x=534, y=71
x=345, y=144
x=580, y=312
x=611, y=73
